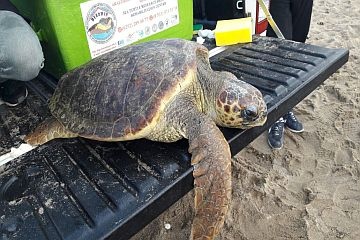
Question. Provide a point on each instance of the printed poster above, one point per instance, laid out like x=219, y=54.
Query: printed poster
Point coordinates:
x=113, y=24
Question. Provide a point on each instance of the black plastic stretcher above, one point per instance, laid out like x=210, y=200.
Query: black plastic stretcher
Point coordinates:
x=81, y=189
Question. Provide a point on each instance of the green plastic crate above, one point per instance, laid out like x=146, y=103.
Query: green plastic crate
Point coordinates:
x=60, y=27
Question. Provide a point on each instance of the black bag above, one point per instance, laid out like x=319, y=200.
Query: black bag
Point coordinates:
x=213, y=10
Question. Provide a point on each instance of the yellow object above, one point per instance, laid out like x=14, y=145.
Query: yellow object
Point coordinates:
x=228, y=32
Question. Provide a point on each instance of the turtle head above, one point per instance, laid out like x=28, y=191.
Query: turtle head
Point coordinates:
x=239, y=104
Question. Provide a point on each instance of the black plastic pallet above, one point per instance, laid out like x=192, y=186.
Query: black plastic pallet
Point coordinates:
x=81, y=189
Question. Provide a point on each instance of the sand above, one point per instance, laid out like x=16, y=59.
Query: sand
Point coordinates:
x=310, y=189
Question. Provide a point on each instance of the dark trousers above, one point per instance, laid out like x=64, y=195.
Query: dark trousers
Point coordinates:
x=8, y=6
x=292, y=17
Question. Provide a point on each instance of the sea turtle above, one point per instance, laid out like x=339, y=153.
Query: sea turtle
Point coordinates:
x=162, y=90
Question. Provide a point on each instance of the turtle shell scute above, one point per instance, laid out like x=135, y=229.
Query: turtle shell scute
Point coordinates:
x=121, y=92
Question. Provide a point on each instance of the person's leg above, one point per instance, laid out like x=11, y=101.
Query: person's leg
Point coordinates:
x=293, y=18
x=280, y=10
x=21, y=57
x=301, y=19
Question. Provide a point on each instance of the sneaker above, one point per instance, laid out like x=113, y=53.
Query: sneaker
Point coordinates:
x=276, y=134
x=292, y=123
x=12, y=92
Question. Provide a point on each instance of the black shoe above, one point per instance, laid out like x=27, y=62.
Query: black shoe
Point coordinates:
x=276, y=134
x=12, y=92
x=292, y=123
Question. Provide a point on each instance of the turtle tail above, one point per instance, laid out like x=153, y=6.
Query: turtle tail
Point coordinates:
x=48, y=130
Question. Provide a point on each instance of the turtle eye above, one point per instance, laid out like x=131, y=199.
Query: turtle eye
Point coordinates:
x=250, y=112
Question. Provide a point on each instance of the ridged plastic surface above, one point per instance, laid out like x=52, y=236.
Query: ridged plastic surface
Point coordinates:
x=81, y=189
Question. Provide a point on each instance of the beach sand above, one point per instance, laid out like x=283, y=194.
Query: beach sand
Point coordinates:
x=310, y=189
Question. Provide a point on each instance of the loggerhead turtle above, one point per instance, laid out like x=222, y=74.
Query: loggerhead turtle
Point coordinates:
x=161, y=90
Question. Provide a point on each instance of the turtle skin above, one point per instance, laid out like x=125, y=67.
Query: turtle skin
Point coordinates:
x=161, y=90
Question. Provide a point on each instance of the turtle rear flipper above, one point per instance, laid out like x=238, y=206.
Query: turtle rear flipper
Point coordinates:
x=48, y=130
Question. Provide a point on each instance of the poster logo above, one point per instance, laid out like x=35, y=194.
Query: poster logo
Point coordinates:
x=111, y=24
x=100, y=23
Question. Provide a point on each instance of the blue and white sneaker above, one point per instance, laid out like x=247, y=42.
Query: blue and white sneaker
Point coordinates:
x=276, y=134
x=292, y=123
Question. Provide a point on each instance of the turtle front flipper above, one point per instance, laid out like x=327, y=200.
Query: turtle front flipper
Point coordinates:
x=211, y=159
x=48, y=130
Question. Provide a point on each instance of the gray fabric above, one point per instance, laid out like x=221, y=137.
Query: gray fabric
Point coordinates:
x=21, y=56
